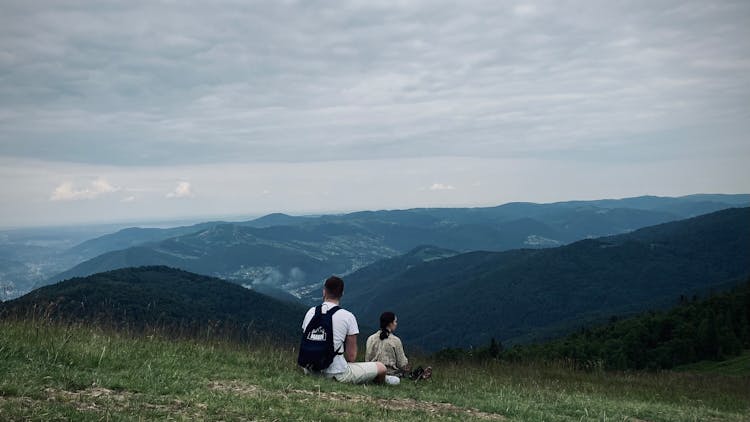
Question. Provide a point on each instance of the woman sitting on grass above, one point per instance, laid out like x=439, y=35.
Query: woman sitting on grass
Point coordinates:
x=386, y=348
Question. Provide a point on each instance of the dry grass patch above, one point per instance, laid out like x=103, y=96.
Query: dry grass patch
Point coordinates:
x=241, y=388
x=99, y=400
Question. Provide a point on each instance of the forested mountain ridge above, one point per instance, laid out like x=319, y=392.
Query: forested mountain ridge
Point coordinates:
x=469, y=298
x=162, y=298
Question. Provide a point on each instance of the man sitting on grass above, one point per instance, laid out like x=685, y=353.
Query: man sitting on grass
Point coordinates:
x=345, y=330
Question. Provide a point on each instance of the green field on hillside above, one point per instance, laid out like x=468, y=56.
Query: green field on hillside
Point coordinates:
x=738, y=367
x=82, y=373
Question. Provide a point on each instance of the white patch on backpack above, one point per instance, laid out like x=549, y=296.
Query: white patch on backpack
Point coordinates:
x=318, y=334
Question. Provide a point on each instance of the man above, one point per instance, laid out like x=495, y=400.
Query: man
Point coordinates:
x=345, y=330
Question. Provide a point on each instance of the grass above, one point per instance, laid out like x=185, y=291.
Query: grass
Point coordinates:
x=738, y=367
x=52, y=372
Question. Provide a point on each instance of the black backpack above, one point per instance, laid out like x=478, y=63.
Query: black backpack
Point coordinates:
x=316, y=348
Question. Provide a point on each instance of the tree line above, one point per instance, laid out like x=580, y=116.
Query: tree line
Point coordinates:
x=715, y=328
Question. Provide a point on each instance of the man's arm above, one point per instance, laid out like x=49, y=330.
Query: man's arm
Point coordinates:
x=350, y=348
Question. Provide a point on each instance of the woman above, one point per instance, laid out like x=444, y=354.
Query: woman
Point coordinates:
x=386, y=348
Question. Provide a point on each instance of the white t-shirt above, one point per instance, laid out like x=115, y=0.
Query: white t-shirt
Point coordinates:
x=344, y=324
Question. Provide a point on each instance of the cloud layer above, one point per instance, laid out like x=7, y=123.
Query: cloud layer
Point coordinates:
x=115, y=110
x=164, y=83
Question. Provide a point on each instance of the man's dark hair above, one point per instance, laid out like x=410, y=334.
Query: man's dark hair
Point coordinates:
x=334, y=287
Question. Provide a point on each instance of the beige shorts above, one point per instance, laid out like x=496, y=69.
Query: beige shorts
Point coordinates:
x=358, y=373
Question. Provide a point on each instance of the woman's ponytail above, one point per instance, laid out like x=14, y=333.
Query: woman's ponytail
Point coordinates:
x=386, y=318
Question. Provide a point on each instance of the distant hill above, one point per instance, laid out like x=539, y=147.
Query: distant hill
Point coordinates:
x=173, y=300
x=276, y=219
x=510, y=225
x=129, y=237
x=283, y=257
x=368, y=281
x=469, y=298
x=685, y=206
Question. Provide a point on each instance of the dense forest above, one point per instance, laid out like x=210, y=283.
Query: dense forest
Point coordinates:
x=714, y=328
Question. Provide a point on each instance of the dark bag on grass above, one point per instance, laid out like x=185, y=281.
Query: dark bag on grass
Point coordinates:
x=316, y=348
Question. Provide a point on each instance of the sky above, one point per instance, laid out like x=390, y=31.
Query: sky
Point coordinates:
x=151, y=110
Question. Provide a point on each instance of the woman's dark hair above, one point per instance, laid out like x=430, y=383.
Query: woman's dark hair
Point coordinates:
x=386, y=318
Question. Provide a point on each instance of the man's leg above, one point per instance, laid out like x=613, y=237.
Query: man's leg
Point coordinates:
x=363, y=372
x=380, y=378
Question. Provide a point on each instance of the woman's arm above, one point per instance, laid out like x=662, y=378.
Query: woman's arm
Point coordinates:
x=369, y=350
x=401, y=361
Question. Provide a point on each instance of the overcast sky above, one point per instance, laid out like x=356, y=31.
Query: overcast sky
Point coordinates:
x=126, y=111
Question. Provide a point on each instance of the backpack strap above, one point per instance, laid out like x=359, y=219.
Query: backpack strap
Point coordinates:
x=331, y=312
x=318, y=313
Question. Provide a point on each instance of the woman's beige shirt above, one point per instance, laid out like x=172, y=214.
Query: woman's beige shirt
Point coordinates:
x=389, y=352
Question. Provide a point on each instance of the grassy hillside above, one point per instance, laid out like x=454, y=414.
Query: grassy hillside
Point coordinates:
x=53, y=372
x=738, y=367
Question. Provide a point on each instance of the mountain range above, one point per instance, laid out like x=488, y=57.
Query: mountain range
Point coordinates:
x=443, y=297
x=284, y=253
x=520, y=295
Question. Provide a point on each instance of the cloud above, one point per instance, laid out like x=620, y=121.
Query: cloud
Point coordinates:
x=440, y=186
x=128, y=199
x=296, y=276
x=67, y=192
x=525, y=10
x=183, y=190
